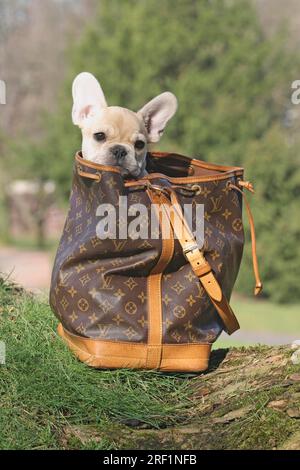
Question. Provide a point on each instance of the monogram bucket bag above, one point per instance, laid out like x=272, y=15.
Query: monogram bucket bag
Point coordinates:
x=153, y=302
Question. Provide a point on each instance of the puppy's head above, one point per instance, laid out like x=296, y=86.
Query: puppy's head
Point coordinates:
x=116, y=136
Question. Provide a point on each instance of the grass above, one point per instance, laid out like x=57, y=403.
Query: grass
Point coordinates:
x=263, y=316
x=44, y=390
x=28, y=243
x=43, y=387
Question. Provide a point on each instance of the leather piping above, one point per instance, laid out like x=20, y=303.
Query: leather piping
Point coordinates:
x=96, y=176
x=154, y=346
x=190, y=357
x=227, y=171
x=96, y=166
x=196, y=162
x=185, y=179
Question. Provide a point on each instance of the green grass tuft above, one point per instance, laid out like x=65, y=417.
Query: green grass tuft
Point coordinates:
x=43, y=387
x=49, y=400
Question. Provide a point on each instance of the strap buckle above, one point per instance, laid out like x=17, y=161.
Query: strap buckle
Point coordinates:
x=189, y=249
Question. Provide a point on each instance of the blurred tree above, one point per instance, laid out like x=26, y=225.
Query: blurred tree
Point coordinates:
x=32, y=64
x=275, y=169
x=276, y=14
x=211, y=54
x=232, y=85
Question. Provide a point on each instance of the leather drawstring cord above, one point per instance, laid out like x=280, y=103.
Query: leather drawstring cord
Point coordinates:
x=197, y=189
x=244, y=184
x=248, y=185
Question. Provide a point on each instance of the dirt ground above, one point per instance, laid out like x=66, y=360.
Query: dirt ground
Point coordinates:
x=248, y=399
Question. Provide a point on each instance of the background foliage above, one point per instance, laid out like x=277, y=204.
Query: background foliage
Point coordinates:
x=233, y=87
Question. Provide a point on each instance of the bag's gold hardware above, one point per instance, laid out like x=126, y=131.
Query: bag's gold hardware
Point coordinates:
x=99, y=176
x=189, y=249
x=197, y=189
x=150, y=186
x=191, y=190
x=159, y=189
x=94, y=176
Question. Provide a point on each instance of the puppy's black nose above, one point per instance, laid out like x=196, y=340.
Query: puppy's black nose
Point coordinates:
x=119, y=152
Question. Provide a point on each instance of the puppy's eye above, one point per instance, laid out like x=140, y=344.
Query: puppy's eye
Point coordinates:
x=140, y=144
x=99, y=136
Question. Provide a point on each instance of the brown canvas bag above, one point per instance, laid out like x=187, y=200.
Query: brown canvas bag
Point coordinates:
x=155, y=303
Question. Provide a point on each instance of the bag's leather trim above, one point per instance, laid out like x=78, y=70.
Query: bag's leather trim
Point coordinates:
x=96, y=166
x=117, y=354
x=227, y=171
x=196, y=162
x=154, y=351
x=186, y=179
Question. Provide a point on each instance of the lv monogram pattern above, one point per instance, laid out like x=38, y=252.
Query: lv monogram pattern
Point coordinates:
x=188, y=314
x=99, y=287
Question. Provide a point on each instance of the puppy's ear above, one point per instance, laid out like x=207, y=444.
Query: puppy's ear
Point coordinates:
x=157, y=113
x=87, y=97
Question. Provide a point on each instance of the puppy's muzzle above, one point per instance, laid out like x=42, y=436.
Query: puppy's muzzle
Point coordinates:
x=119, y=152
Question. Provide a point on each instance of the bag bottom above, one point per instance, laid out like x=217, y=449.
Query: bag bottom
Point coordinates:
x=188, y=357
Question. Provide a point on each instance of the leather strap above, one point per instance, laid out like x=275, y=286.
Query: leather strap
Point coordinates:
x=258, y=284
x=199, y=264
x=154, y=344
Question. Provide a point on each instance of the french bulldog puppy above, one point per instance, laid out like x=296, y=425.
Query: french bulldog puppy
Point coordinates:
x=117, y=136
